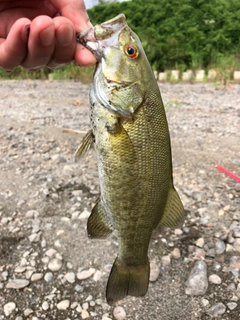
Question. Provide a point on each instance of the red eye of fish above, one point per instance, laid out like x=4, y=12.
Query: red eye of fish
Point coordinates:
x=131, y=51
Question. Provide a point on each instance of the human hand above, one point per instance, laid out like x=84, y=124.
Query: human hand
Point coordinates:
x=41, y=33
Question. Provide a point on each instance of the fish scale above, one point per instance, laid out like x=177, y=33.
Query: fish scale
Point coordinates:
x=132, y=142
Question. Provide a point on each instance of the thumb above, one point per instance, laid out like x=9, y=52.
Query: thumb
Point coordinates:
x=75, y=11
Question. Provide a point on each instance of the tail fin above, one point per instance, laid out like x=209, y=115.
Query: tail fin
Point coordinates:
x=127, y=280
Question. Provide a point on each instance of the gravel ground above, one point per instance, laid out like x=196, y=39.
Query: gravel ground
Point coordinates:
x=49, y=269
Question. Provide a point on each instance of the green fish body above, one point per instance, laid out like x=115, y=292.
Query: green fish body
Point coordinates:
x=132, y=142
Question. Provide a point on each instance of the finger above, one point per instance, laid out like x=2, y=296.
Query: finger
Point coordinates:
x=65, y=42
x=75, y=11
x=14, y=49
x=84, y=57
x=41, y=43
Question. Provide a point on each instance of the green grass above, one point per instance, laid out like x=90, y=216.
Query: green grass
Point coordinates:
x=224, y=66
x=70, y=71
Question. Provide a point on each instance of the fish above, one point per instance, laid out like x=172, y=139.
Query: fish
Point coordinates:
x=130, y=133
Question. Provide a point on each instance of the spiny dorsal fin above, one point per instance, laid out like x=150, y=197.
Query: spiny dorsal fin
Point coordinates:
x=173, y=215
x=85, y=145
x=98, y=225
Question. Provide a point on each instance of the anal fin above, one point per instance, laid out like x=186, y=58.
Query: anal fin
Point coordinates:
x=98, y=225
x=173, y=215
x=85, y=145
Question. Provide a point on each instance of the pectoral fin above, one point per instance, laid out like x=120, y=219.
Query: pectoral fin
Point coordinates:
x=85, y=145
x=173, y=215
x=98, y=225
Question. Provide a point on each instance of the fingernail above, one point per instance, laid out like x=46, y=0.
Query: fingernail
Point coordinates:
x=46, y=36
x=25, y=32
x=65, y=35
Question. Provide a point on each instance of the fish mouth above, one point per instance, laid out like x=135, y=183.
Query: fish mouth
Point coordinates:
x=99, y=37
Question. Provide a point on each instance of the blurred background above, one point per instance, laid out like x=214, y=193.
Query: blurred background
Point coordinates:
x=179, y=35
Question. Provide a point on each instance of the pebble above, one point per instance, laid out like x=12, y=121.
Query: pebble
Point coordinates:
x=236, y=232
x=85, y=305
x=105, y=317
x=84, y=215
x=70, y=277
x=154, y=271
x=235, y=262
x=55, y=265
x=200, y=242
x=197, y=282
x=215, y=279
x=51, y=252
x=36, y=276
x=45, y=305
x=27, y=312
x=97, y=275
x=35, y=237
x=176, y=254
x=48, y=277
x=9, y=308
x=20, y=269
x=166, y=260
x=119, y=313
x=217, y=310
x=17, y=284
x=63, y=305
x=220, y=247
x=232, y=305
x=84, y=314
x=205, y=302
x=85, y=274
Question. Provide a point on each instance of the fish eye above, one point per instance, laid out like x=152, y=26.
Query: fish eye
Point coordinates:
x=131, y=51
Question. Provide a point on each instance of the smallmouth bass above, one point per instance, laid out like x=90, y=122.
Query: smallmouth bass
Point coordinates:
x=132, y=142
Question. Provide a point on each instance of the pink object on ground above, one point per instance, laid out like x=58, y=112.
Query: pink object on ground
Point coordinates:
x=228, y=173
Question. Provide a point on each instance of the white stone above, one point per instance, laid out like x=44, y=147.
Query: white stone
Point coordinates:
x=36, y=276
x=236, y=75
x=175, y=75
x=176, y=254
x=166, y=260
x=27, y=312
x=55, y=265
x=154, y=271
x=85, y=274
x=20, y=269
x=119, y=313
x=162, y=76
x=84, y=215
x=45, y=305
x=17, y=284
x=97, y=275
x=85, y=306
x=215, y=279
x=84, y=314
x=70, y=277
x=9, y=308
x=63, y=305
x=232, y=305
x=50, y=252
x=199, y=75
x=197, y=282
x=35, y=237
x=105, y=317
x=199, y=242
